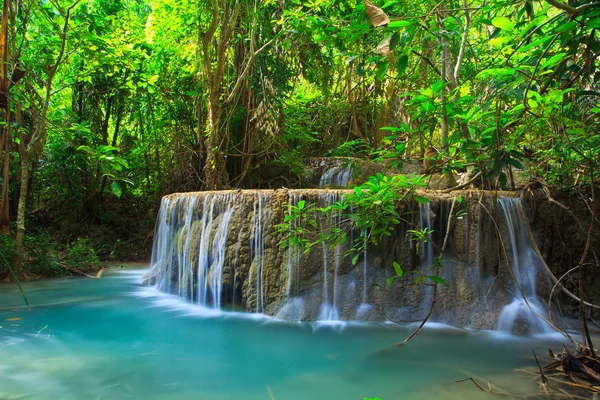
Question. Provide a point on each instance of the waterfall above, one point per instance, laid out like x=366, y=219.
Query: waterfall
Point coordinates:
x=338, y=175
x=203, y=256
x=218, y=252
x=329, y=308
x=364, y=293
x=524, y=262
x=364, y=308
x=217, y=248
x=257, y=249
x=293, y=260
x=476, y=271
x=191, y=255
x=293, y=309
x=425, y=222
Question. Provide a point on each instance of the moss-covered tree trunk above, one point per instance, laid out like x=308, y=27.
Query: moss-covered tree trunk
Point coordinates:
x=20, y=239
x=31, y=147
x=215, y=171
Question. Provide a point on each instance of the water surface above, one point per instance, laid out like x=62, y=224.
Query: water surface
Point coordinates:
x=113, y=338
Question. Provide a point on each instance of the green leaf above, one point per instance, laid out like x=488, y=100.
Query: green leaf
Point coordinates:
x=399, y=24
x=500, y=41
x=555, y=59
x=381, y=70
x=355, y=259
x=503, y=23
x=301, y=204
x=401, y=64
x=394, y=41
x=389, y=4
x=398, y=269
x=390, y=280
x=116, y=188
x=437, y=279
x=421, y=199
x=566, y=26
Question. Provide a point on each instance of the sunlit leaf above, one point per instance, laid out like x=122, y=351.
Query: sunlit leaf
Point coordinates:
x=503, y=23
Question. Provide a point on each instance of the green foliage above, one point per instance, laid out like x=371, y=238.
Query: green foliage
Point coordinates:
x=312, y=122
x=372, y=209
x=40, y=256
x=351, y=148
x=7, y=248
x=373, y=206
x=292, y=160
x=129, y=100
x=81, y=255
x=297, y=224
x=104, y=159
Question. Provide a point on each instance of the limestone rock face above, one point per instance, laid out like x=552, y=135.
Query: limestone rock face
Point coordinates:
x=222, y=248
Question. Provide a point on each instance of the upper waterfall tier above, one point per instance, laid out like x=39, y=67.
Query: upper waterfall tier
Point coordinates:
x=222, y=249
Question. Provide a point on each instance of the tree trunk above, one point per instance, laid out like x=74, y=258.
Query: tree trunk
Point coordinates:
x=215, y=173
x=25, y=170
x=4, y=208
x=6, y=132
x=446, y=72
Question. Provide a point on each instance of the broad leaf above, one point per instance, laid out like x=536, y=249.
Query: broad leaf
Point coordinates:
x=401, y=64
x=437, y=279
x=398, y=269
x=116, y=188
x=503, y=23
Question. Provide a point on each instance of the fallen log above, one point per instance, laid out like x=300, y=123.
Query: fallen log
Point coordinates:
x=77, y=272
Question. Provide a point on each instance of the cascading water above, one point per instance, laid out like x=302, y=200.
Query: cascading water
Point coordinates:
x=178, y=218
x=425, y=222
x=338, y=175
x=476, y=270
x=257, y=246
x=329, y=308
x=219, y=248
x=293, y=308
x=364, y=308
x=526, y=308
x=427, y=255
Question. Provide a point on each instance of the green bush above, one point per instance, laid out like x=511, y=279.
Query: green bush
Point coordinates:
x=81, y=255
x=351, y=148
x=40, y=255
